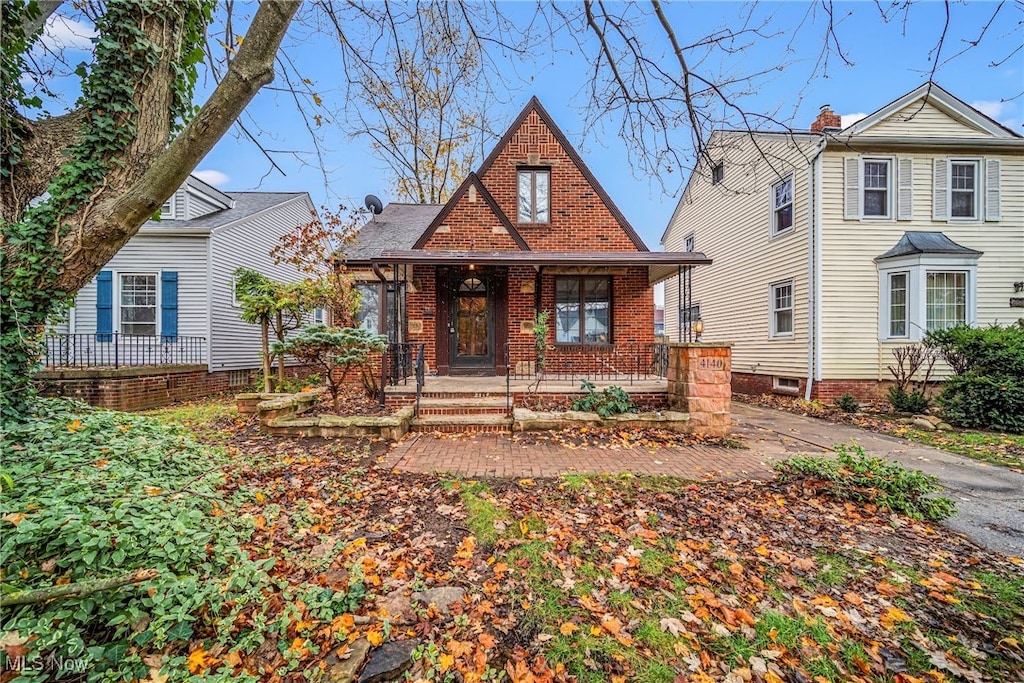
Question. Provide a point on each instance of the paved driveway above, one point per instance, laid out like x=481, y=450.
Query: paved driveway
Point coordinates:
x=990, y=498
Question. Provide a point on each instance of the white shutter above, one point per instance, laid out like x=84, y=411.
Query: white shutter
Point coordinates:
x=905, y=189
x=852, y=186
x=992, y=180
x=940, y=190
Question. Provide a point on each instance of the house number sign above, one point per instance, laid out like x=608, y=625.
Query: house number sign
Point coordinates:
x=711, y=364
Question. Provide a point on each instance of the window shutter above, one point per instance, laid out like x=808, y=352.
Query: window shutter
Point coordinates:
x=104, y=305
x=993, y=211
x=905, y=189
x=852, y=185
x=940, y=190
x=169, y=304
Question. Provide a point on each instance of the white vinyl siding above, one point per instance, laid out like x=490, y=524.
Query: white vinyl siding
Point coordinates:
x=728, y=224
x=236, y=344
x=854, y=319
x=925, y=120
x=151, y=254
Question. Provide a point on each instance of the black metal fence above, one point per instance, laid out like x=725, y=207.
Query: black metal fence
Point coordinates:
x=626, y=362
x=399, y=363
x=116, y=350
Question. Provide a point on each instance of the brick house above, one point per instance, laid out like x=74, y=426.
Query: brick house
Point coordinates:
x=530, y=231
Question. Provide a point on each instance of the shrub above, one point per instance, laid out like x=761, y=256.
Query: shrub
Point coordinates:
x=847, y=403
x=988, y=390
x=853, y=475
x=903, y=401
x=607, y=402
x=329, y=349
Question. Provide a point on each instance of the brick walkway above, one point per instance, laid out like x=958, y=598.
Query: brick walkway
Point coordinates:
x=497, y=455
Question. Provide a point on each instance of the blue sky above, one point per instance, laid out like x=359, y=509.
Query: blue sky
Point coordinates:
x=888, y=60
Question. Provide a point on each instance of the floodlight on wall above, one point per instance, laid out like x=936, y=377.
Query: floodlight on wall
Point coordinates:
x=698, y=329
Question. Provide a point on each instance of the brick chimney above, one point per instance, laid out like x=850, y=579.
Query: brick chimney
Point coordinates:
x=827, y=120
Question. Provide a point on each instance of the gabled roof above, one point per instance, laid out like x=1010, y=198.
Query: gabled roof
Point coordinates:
x=914, y=243
x=211, y=193
x=245, y=204
x=398, y=226
x=941, y=98
x=472, y=180
x=535, y=105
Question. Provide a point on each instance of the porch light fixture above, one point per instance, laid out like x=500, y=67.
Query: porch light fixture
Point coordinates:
x=698, y=329
x=472, y=267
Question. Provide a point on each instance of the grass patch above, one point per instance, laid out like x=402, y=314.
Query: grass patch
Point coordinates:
x=481, y=516
x=835, y=570
x=208, y=418
x=992, y=447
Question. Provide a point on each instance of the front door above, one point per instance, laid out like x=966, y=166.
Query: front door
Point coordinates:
x=471, y=322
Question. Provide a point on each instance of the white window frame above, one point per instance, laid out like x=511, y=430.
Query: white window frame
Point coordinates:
x=117, y=298
x=775, y=208
x=890, y=187
x=319, y=316
x=917, y=268
x=777, y=385
x=978, y=189
x=773, y=332
x=887, y=296
x=690, y=242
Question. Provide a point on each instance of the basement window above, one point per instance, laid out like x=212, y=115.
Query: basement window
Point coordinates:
x=789, y=385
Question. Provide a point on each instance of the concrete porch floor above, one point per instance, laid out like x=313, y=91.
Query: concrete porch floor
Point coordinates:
x=496, y=385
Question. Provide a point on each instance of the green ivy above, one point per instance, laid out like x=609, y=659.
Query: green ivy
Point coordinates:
x=124, y=57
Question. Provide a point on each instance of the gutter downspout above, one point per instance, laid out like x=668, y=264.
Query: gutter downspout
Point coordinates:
x=813, y=264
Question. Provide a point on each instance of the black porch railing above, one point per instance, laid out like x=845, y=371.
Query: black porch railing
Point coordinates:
x=626, y=362
x=399, y=362
x=116, y=350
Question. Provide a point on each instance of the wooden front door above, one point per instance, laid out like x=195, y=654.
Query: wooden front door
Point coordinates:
x=472, y=316
x=471, y=322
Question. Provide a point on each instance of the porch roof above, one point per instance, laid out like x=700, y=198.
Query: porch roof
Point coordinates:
x=661, y=265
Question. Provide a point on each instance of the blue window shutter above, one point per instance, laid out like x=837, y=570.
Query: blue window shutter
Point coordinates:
x=169, y=303
x=104, y=305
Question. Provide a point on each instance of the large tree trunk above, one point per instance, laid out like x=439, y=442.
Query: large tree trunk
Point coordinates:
x=90, y=228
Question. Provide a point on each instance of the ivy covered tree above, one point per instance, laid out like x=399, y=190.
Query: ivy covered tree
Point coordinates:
x=74, y=188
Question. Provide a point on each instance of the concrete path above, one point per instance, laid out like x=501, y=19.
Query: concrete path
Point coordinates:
x=990, y=498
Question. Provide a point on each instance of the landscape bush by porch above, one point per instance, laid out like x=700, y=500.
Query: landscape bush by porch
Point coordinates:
x=336, y=352
x=606, y=402
x=853, y=475
x=987, y=390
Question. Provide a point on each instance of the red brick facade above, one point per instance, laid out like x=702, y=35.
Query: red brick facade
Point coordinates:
x=142, y=388
x=826, y=390
x=482, y=216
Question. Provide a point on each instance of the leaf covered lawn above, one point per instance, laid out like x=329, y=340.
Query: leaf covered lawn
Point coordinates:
x=623, y=578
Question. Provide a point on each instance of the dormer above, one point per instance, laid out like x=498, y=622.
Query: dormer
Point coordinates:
x=194, y=199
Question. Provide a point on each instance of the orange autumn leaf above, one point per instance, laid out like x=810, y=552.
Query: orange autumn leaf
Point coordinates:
x=466, y=548
x=769, y=677
x=15, y=518
x=486, y=640
x=298, y=648
x=445, y=662
x=375, y=637
x=75, y=426
x=199, y=661
x=762, y=551
x=853, y=599
x=612, y=625
x=568, y=628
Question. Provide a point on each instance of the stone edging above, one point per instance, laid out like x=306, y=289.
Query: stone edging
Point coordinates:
x=281, y=414
x=524, y=420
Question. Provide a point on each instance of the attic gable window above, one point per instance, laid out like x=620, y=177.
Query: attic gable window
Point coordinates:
x=718, y=173
x=534, y=195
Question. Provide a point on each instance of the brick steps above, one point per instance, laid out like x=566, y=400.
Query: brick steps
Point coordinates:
x=462, y=423
x=452, y=406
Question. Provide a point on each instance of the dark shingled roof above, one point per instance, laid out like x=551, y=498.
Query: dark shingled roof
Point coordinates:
x=398, y=226
x=926, y=243
x=246, y=204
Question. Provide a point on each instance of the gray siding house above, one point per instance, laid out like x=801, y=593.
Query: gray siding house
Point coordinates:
x=167, y=297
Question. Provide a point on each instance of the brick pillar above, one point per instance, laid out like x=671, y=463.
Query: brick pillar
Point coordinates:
x=699, y=383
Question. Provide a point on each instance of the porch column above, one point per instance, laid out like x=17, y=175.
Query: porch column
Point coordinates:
x=699, y=383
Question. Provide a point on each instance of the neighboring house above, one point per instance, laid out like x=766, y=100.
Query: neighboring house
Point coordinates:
x=833, y=246
x=659, y=322
x=531, y=231
x=167, y=297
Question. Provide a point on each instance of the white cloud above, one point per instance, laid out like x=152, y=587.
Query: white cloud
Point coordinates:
x=212, y=177
x=62, y=33
x=990, y=108
x=850, y=119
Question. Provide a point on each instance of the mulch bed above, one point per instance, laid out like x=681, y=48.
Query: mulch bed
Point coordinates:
x=354, y=403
